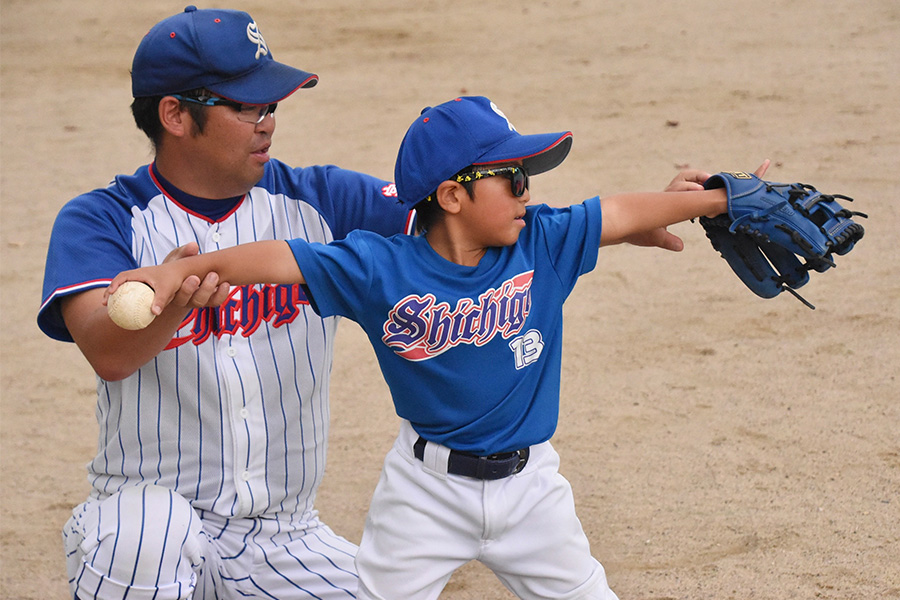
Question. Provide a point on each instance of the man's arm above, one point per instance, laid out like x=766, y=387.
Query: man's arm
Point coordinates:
x=115, y=353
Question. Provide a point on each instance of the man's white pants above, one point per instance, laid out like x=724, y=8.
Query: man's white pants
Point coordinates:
x=148, y=543
x=423, y=524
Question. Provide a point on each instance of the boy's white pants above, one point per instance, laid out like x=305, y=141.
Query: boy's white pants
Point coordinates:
x=423, y=524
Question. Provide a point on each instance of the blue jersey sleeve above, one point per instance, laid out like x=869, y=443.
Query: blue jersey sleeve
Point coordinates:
x=89, y=245
x=338, y=275
x=347, y=200
x=571, y=238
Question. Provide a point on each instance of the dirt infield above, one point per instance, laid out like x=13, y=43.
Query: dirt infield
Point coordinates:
x=720, y=446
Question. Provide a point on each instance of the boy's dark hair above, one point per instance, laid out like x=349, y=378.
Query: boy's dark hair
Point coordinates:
x=146, y=114
x=429, y=212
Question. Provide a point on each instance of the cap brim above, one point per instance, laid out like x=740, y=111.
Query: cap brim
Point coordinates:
x=271, y=82
x=538, y=153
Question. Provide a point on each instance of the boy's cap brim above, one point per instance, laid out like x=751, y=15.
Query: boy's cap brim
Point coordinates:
x=537, y=152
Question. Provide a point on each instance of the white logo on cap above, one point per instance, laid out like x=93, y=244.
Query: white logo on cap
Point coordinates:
x=500, y=112
x=257, y=38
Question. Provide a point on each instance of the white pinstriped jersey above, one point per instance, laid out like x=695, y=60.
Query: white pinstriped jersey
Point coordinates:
x=233, y=415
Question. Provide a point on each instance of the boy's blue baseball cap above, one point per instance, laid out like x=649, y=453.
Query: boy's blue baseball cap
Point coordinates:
x=471, y=130
x=220, y=50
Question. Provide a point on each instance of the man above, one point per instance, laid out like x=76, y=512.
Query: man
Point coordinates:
x=213, y=420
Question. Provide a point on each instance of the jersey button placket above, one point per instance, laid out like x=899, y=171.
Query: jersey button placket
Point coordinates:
x=214, y=240
x=238, y=420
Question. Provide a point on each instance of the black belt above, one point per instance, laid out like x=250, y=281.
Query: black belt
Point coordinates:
x=495, y=466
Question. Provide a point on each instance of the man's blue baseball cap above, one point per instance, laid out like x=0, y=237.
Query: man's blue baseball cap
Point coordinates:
x=220, y=50
x=471, y=130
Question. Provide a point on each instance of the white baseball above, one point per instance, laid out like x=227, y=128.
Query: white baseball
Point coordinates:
x=129, y=306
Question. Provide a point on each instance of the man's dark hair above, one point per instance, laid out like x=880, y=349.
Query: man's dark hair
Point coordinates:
x=146, y=113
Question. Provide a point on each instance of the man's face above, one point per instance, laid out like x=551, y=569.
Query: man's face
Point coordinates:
x=229, y=155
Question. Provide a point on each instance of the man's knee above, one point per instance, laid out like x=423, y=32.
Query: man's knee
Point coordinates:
x=141, y=538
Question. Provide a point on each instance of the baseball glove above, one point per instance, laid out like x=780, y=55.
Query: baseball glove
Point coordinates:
x=774, y=234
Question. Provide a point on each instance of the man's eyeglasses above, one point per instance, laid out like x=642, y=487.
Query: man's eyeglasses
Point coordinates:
x=248, y=113
x=518, y=178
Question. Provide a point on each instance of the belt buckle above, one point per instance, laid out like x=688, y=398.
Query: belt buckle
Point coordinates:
x=523, y=460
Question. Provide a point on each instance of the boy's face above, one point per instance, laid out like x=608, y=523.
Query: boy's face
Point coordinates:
x=494, y=216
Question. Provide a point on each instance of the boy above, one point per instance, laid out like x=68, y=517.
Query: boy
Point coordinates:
x=466, y=322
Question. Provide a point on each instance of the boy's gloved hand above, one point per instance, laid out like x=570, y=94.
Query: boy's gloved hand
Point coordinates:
x=775, y=233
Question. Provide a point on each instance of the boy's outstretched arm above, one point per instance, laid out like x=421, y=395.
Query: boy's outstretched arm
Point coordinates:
x=270, y=261
x=115, y=353
x=631, y=214
x=686, y=181
x=642, y=218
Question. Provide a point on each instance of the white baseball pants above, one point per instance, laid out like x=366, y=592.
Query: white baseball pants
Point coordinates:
x=423, y=524
x=147, y=542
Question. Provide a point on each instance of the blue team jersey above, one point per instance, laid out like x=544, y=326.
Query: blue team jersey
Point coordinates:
x=472, y=355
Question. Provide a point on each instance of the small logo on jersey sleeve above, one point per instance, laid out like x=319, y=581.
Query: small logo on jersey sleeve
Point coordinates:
x=389, y=191
x=419, y=327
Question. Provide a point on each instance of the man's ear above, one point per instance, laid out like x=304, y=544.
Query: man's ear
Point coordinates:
x=450, y=195
x=174, y=120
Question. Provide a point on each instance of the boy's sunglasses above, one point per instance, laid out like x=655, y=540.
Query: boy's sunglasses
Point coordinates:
x=518, y=178
x=249, y=113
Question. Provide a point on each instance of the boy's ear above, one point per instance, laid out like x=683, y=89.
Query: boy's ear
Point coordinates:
x=450, y=195
x=172, y=118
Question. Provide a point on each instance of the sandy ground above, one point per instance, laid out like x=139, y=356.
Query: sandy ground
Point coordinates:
x=720, y=446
